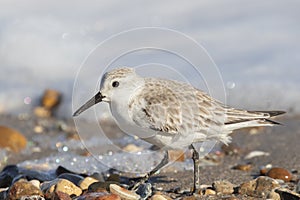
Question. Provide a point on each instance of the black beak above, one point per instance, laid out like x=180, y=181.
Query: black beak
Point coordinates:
x=93, y=101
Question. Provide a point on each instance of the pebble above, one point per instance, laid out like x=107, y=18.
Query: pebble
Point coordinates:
x=38, y=129
x=259, y=187
x=263, y=171
x=51, y=98
x=160, y=197
x=243, y=167
x=67, y=187
x=209, y=192
x=58, y=195
x=61, y=185
x=123, y=193
x=100, y=186
x=12, y=139
x=273, y=195
x=287, y=194
x=23, y=188
x=99, y=196
x=298, y=187
x=7, y=175
x=223, y=187
x=254, y=154
x=280, y=173
x=132, y=148
x=86, y=182
x=36, y=183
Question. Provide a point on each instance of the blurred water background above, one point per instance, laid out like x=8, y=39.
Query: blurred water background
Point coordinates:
x=255, y=45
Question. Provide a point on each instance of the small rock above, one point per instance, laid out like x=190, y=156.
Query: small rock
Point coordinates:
x=3, y=193
x=38, y=129
x=209, y=192
x=132, y=148
x=61, y=185
x=280, y=173
x=42, y=112
x=67, y=187
x=114, y=178
x=51, y=98
x=99, y=196
x=160, y=197
x=243, y=167
x=100, y=186
x=58, y=195
x=286, y=194
x=7, y=175
x=263, y=171
x=189, y=198
x=86, y=182
x=254, y=154
x=123, y=193
x=23, y=188
x=36, y=183
x=259, y=187
x=298, y=187
x=223, y=187
x=176, y=155
x=12, y=139
x=273, y=195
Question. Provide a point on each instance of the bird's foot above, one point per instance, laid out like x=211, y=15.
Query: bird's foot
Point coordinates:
x=136, y=185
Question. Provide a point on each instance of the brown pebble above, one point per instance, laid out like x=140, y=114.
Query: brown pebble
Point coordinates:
x=99, y=196
x=243, y=167
x=23, y=188
x=223, y=187
x=263, y=171
x=259, y=187
x=12, y=139
x=58, y=195
x=280, y=173
x=51, y=98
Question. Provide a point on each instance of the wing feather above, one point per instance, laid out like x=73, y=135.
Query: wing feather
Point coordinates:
x=173, y=107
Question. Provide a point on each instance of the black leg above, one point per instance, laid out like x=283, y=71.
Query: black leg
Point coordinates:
x=196, y=161
x=162, y=163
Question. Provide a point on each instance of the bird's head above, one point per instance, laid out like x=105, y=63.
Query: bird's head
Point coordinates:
x=116, y=85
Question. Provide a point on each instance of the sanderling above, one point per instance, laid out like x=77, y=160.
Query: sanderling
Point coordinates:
x=171, y=114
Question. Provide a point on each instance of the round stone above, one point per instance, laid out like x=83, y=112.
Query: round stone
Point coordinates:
x=280, y=173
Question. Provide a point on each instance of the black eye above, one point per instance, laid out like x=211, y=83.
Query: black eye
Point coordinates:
x=115, y=84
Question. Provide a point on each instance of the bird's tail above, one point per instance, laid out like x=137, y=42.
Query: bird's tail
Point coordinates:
x=237, y=119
